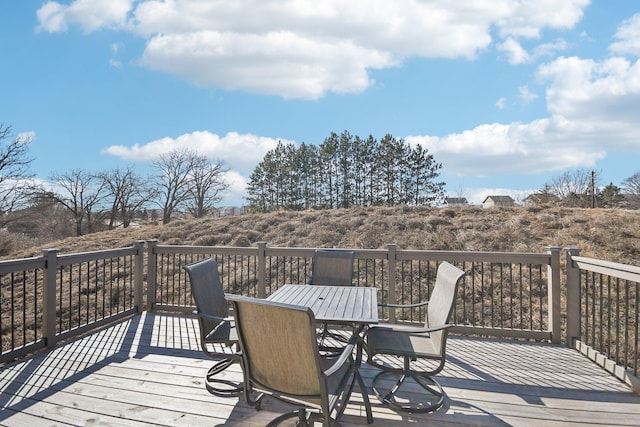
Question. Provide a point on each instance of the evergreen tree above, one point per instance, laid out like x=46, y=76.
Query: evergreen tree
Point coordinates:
x=344, y=171
x=610, y=197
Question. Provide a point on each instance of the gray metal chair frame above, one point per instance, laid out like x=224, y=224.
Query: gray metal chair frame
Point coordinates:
x=385, y=344
x=332, y=267
x=218, y=338
x=281, y=359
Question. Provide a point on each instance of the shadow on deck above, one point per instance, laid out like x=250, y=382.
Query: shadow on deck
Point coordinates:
x=149, y=370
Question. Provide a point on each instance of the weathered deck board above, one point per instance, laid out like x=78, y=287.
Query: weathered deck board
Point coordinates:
x=149, y=370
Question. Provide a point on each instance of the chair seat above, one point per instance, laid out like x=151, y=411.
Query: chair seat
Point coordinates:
x=223, y=332
x=400, y=341
x=335, y=385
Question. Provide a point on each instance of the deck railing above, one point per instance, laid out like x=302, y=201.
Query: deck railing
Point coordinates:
x=503, y=294
x=603, y=309
x=53, y=297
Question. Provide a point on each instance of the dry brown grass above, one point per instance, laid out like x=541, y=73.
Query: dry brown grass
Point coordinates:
x=611, y=234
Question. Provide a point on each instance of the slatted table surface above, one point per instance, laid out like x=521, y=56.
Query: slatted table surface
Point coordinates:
x=335, y=304
x=148, y=370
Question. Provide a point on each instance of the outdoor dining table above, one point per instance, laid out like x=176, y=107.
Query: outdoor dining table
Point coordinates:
x=349, y=305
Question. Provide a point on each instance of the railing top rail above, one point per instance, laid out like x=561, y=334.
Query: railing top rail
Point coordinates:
x=204, y=250
x=500, y=257
x=13, y=265
x=614, y=269
x=96, y=255
x=401, y=254
x=308, y=252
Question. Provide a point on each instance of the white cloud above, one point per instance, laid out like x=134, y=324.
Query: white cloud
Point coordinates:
x=549, y=49
x=590, y=102
x=304, y=48
x=525, y=95
x=516, y=54
x=90, y=15
x=237, y=188
x=51, y=18
x=240, y=152
x=628, y=37
x=601, y=95
x=277, y=63
x=26, y=137
x=500, y=103
x=516, y=148
x=526, y=19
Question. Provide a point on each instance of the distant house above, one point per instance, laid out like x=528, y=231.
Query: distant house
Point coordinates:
x=455, y=201
x=229, y=211
x=498, y=201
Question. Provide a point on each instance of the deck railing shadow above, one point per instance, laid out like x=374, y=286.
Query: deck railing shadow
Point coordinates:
x=65, y=365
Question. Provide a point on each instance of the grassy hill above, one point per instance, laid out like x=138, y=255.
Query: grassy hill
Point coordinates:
x=611, y=234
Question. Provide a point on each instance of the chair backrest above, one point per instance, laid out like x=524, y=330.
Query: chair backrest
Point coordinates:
x=207, y=292
x=442, y=300
x=332, y=267
x=279, y=346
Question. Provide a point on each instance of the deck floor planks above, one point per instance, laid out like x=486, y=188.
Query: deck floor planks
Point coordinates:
x=149, y=370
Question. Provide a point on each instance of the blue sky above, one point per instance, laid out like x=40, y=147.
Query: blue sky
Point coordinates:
x=506, y=94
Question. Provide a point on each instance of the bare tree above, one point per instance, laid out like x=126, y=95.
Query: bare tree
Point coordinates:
x=575, y=188
x=16, y=179
x=128, y=193
x=207, y=186
x=631, y=189
x=81, y=193
x=631, y=185
x=174, y=181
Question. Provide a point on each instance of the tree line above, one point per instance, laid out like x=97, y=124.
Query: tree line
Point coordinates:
x=181, y=180
x=582, y=188
x=344, y=171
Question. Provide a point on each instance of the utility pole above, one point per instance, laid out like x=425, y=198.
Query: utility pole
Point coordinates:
x=593, y=189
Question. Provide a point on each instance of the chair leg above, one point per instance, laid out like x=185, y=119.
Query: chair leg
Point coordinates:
x=304, y=418
x=365, y=397
x=230, y=388
x=434, y=396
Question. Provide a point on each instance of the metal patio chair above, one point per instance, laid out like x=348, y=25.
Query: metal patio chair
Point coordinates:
x=416, y=353
x=218, y=338
x=332, y=267
x=281, y=359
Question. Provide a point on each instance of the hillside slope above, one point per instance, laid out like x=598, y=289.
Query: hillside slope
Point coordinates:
x=611, y=234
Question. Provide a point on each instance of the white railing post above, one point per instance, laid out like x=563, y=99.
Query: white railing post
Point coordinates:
x=553, y=278
x=262, y=269
x=573, y=298
x=49, y=296
x=152, y=273
x=138, y=275
x=391, y=257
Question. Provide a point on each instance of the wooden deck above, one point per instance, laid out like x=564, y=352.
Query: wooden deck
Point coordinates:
x=149, y=370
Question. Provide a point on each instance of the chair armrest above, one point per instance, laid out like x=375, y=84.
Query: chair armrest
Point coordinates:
x=418, y=304
x=433, y=329
x=346, y=354
x=209, y=316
